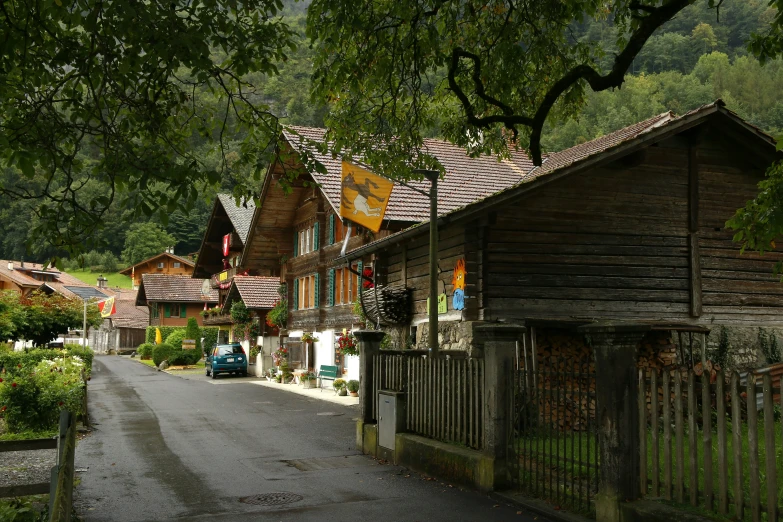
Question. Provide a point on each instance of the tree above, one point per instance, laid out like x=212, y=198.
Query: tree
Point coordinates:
x=112, y=94
x=44, y=317
x=11, y=315
x=145, y=240
x=481, y=71
x=192, y=331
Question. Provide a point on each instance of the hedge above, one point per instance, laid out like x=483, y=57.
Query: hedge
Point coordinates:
x=161, y=352
x=14, y=361
x=209, y=333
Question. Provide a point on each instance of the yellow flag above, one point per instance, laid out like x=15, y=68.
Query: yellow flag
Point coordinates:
x=158, y=336
x=364, y=196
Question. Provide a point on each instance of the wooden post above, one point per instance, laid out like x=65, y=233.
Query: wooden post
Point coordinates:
x=753, y=450
x=616, y=350
x=499, y=355
x=706, y=419
x=736, y=446
x=769, y=449
x=667, y=435
x=432, y=176
x=723, y=467
x=642, y=433
x=369, y=346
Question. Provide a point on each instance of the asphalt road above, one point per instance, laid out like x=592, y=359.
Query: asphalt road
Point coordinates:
x=164, y=447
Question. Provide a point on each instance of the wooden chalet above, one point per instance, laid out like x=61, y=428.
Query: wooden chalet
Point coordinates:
x=164, y=263
x=124, y=330
x=297, y=234
x=25, y=277
x=628, y=227
x=173, y=299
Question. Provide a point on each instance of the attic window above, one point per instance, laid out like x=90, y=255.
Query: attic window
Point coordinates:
x=161, y=264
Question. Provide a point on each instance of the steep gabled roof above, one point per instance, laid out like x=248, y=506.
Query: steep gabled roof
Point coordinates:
x=129, y=315
x=185, y=261
x=171, y=288
x=20, y=275
x=467, y=179
x=584, y=156
x=241, y=216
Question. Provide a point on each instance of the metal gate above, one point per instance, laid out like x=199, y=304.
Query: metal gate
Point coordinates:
x=555, y=443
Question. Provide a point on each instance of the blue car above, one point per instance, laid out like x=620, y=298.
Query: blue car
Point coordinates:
x=226, y=358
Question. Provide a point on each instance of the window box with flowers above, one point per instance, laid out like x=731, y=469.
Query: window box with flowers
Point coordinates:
x=347, y=345
x=280, y=355
x=309, y=379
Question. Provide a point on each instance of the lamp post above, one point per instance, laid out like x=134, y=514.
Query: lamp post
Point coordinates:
x=432, y=176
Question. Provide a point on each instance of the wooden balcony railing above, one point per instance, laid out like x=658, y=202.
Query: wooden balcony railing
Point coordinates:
x=223, y=278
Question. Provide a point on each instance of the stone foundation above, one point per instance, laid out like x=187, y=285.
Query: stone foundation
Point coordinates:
x=452, y=335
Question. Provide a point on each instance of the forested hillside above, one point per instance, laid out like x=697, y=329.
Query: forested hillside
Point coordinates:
x=692, y=60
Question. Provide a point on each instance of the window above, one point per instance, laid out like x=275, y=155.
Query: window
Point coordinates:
x=230, y=349
x=161, y=264
x=307, y=292
x=307, y=240
x=174, y=310
x=155, y=310
x=344, y=285
x=177, y=264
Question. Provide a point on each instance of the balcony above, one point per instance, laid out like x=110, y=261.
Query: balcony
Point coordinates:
x=218, y=320
x=223, y=279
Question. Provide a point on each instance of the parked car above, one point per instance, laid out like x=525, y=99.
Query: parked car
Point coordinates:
x=226, y=358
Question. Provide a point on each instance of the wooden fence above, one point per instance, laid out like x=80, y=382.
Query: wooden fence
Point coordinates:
x=445, y=397
x=709, y=444
x=555, y=437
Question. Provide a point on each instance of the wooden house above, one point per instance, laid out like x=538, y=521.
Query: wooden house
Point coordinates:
x=25, y=277
x=297, y=234
x=124, y=330
x=173, y=299
x=163, y=263
x=628, y=227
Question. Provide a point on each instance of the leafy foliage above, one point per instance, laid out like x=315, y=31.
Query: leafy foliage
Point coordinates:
x=40, y=318
x=145, y=351
x=175, y=338
x=145, y=240
x=192, y=331
x=278, y=315
x=161, y=352
x=239, y=313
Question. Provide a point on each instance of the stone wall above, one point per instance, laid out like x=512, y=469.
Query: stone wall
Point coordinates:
x=452, y=335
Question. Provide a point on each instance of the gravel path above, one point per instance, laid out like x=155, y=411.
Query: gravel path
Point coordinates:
x=26, y=467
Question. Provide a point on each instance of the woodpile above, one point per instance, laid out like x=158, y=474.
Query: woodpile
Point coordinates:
x=387, y=305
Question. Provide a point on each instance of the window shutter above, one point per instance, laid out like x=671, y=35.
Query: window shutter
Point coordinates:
x=317, y=291
x=330, y=294
x=166, y=310
x=296, y=243
x=183, y=311
x=331, y=229
x=359, y=268
x=316, y=235
x=296, y=294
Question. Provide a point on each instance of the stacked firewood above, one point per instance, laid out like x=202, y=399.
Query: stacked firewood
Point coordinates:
x=387, y=305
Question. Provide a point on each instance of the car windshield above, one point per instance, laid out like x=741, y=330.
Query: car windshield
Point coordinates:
x=229, y=349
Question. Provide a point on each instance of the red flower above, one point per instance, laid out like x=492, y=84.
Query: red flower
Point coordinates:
x=2, y=409
x=13, y=385
x=18, y=365
x=60, y=403
x=1, y=380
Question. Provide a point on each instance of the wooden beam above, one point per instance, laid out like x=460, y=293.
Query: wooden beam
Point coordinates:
x=694, y=257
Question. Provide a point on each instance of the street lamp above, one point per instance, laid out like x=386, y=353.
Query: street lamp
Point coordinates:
x=432, y=176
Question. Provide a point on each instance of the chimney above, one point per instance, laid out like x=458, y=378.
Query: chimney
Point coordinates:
x=10, y=265
x=102, y=281
x=21, y=263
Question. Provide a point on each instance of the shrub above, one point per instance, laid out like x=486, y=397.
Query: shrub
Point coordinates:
x=161, y=352
x=32, y=399
x=184, y=357
x=339, y=384
x=85, y=353
x=109, y=262
x=192, y=331
x=175, y=338
x=6, y=347
x=15, y=362
x=209, y=333
x=145, y=351
x=353, y=386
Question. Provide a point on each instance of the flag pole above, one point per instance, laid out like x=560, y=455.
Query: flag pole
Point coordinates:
x=432, y=176
x=84, y=325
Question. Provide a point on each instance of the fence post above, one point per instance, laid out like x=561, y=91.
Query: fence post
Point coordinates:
x=369, y=346
x=615, y=346
x=500, y=344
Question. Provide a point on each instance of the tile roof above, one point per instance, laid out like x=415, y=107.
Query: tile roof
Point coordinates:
x=560, y=161
x=240, y=216
x=173, y=288
x=64, y=284
x=467, y=179
x=258, y=291
x=19, y=275
x=130, y=316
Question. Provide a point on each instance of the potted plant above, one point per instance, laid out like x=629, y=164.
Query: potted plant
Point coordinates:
x=353, y=387
x=339, y=387
x=309, y=379
x=280, y=355
x=347, y=345
x=285, y=373
x=271, y=374
x=254, y=351
x=309, y=338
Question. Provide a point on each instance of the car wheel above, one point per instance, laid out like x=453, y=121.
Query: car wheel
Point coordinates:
x=214, y=374
x=244, y=374
x=206, y=371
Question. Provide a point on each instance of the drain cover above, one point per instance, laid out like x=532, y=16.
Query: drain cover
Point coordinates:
x=272, y=499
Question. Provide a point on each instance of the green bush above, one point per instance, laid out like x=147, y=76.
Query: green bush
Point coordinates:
x=175, y=338
x=144, y=351
x=162, y=352
x=23, y=509
x=32, y=399
x=184, y=357
x=192, y=331
x=209, y=333
x=353, y=386
x=13, y=362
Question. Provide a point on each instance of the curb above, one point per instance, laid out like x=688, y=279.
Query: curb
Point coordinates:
x=538, y=507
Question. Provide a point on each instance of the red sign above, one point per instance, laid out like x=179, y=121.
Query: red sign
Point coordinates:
x=226, y=244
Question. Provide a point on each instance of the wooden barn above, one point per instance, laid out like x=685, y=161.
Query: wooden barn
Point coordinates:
x=630, y=227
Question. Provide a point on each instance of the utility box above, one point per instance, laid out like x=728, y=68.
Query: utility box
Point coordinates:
x=391, y=417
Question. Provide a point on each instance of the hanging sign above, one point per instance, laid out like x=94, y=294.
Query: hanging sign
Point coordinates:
x=443, y=306
x=226, y=244
x=458, y=282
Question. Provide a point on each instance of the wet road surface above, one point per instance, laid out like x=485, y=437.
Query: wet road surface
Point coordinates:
x=165, y=447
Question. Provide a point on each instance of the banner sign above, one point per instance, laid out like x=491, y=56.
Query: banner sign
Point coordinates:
x=364, y=196
x=107, y=307
x=226, y=244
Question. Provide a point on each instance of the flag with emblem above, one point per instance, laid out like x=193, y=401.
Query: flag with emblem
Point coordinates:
x=364, y=196
x=107, y=307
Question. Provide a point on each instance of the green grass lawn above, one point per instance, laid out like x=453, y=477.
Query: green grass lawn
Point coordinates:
x=148, y=362
x=542, y=452
x=115, y=279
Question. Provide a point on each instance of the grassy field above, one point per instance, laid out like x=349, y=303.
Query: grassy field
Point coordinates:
x=115, y=279
x=548, y=450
